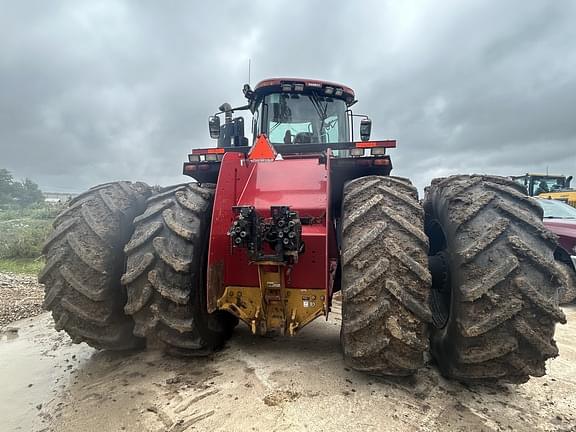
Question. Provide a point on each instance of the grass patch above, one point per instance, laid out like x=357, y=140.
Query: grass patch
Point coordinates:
x=23, y=232
x=28, y=266
x=23, y=238
x=36, y=212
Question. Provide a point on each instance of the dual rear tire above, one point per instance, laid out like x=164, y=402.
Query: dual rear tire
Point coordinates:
x=124, y=268
x=496, y=313
x=490, y=303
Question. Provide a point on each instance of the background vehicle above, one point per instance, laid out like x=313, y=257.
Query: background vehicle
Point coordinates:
x=548, y=186
x=271, y=231
x=560, y=218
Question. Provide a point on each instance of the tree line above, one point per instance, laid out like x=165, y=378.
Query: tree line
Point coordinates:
x=16, y=193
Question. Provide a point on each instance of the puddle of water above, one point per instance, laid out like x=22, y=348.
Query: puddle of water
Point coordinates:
x=9, y=334
x=35, y=363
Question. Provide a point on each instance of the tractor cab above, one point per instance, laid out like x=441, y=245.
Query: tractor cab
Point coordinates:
x=301, y=112
x=537, y=184
x=294, y=118
x=292, y=111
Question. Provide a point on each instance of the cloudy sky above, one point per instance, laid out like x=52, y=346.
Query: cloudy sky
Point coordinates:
x=92, y=91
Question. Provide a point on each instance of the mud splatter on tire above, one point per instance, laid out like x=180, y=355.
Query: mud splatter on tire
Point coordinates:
x=498, y=323
x=165, y=274
x=385, y=277
x=84, y=263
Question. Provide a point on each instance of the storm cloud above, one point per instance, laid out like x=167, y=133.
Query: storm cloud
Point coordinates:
x=97, y=91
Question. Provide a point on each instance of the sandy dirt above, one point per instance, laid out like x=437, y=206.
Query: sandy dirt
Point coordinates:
x=259, y=384
x=20, y=297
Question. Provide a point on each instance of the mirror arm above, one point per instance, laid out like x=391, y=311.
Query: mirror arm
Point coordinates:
x=352, y=115
x=240, y=108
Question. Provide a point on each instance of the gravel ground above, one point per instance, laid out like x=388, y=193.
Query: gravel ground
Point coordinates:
x=20, y=297
x=261, y=385
x=254, y=384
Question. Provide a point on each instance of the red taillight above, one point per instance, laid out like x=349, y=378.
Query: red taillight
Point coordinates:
x=189, y=168
x=382, y=162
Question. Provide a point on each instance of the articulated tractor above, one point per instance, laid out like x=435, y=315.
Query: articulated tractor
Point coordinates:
x=266, y=232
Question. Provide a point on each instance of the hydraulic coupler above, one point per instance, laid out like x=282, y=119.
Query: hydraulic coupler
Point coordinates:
x=276, y=239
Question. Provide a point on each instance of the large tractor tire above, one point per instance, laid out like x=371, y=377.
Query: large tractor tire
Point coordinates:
x=567, y=292
x=166, y=273
x=84, y=263
x=495, y=281
x=385, y=277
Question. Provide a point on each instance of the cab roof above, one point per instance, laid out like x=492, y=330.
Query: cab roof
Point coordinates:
x=539, y=175
x=332, y=89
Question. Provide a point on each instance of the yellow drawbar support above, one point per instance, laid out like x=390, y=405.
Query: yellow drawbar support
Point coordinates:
x=271, y=307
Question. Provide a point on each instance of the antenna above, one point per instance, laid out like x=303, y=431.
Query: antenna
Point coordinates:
x=249, y=64
x=546, y=169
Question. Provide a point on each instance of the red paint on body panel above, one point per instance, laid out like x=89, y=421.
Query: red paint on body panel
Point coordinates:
x=301, y=184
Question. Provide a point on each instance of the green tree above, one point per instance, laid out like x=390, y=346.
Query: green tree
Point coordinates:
x=6, y=186
x=29, y=193
x=14, y=192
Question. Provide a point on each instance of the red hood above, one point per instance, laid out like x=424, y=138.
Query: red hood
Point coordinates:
x=565, y=229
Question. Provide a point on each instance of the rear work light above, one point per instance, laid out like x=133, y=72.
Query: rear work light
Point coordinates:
x=298, y=87
x=193, y=158
x=355, y=152
x=286, y=87
x=328, y=91
x=211, y=157
x=377, y=151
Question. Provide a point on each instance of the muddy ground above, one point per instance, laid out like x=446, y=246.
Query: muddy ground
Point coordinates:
x=257, y=384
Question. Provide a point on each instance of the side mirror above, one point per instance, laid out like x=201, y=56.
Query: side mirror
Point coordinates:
x=365, y=129
x=214, y=126
x=248, y=92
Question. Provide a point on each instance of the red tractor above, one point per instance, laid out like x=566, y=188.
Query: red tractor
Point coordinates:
x=269, y=233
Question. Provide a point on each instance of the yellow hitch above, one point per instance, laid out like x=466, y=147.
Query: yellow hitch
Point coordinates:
x=271, y=307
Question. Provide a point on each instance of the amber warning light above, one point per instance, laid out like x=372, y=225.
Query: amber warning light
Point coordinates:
x=208, y=151
x=370, y=144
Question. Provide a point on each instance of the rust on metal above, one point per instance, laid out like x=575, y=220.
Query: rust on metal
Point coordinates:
x=271, y=307
x=214, y=288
